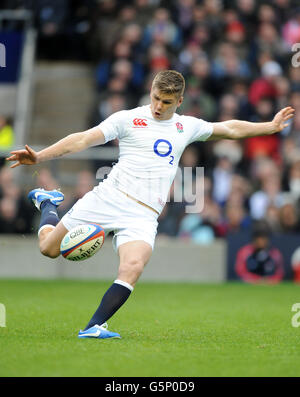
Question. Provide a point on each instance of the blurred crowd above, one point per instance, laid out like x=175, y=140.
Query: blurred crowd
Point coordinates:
x=17, y=214
x=236, y=57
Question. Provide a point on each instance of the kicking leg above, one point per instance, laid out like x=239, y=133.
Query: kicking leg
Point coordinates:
x=134, y=255
x=51, y=230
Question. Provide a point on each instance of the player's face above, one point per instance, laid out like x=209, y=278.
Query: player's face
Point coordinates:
x=163, y=106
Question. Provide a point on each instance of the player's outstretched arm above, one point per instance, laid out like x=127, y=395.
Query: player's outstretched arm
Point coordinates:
x=238, y=129
x=70, y=144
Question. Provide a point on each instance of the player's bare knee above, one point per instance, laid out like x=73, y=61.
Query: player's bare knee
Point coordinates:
x=48, y=251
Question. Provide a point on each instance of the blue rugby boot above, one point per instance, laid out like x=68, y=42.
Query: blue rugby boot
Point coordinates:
x=98, y=331
x=37, y=196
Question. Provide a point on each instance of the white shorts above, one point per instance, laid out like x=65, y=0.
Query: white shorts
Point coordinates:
x=116, y=213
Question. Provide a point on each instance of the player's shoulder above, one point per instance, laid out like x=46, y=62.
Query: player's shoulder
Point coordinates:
x=196, y=128
x=191, y=122
x=188, y=119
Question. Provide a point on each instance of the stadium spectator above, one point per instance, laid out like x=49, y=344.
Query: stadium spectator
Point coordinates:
x=240, y=191
x=228, y=107
x=227, y=65
x=132, y=34
x=235, y=57
x=269, y=40
x=14, y=207
x=283, y=9
x=198, y=102
x=158, y=58
x=194, y=228
x=294, y=79
x=235, y=33
x=239, y=89
x=259, y=261
x=161, y=29
x=294, y=179
x=171, y=215
x=200, y=36
x=262, y=169
x=106, y=20
x=230, y=149
x=46, y=180
x=187, y=55
x=113, y=103
x=213, y=10
x=283, y=89
x=6, y=138
x=247, y=14
x=267, y=13
x=267, y=146
x=272, y=218
x=120, y=65
x=84, y=183
x=222, y=178
x=293, y=134
x=185, y=179
x=200, y=76
x=51, y=18
x=270, y=193
x=289, y=217
x=182, y=14
x=145, y=10
x=295, y=262
x=201, y=226
x=264, y=86
x=235, y=220
x=291, y=29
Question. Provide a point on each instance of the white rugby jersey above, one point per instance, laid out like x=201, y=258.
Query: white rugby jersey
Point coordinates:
x=150, y=150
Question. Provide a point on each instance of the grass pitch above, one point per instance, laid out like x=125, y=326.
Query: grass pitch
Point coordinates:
x=166, y=329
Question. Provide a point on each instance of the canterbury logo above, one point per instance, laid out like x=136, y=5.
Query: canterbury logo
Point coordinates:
x=140, y=122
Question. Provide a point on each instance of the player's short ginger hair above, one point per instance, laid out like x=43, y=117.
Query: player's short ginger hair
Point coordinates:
x=169, y=82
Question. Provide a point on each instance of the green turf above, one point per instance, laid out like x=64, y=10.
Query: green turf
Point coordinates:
x=167, y=330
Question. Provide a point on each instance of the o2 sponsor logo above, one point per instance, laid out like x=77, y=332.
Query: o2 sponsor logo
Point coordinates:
x=76, y=233
x=163, y=148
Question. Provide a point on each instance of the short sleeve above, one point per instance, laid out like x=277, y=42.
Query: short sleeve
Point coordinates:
x=113, y=126
x=200, y=130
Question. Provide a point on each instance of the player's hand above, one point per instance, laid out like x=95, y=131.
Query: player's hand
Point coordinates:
x=25, y=156
x=281, y=118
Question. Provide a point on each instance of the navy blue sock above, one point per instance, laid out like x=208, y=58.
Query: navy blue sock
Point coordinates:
x=112, y=300
x=49, y=214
